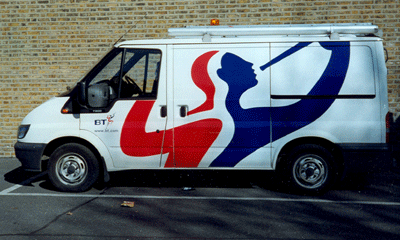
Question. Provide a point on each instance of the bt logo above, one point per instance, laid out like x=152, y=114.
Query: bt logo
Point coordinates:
x=107, y=121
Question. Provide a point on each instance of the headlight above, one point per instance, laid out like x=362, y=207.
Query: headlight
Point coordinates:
x=22, y=131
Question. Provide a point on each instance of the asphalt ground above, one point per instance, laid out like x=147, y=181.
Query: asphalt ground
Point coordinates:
x=197, y=205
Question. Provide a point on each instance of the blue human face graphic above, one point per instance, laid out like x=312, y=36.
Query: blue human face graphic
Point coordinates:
x=237, y=72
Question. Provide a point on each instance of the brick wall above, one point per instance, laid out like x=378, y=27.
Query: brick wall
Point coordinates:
x=46, y=45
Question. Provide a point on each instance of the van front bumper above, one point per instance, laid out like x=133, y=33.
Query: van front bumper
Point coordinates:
x=30, y=155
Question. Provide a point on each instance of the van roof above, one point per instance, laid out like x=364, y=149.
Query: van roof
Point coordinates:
x=265, y=33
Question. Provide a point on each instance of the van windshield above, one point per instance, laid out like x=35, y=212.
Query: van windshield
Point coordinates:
x=108, y=67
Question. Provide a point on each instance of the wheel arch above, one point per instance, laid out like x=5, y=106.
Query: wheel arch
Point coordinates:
x=328, y=145
x=53, y=145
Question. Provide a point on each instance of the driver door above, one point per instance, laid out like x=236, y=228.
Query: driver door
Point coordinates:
x=125, y=98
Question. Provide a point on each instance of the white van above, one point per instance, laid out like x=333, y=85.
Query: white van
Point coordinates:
x=307, y=100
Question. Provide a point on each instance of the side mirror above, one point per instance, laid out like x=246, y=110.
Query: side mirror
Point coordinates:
x=99, y=95
x=82, y=92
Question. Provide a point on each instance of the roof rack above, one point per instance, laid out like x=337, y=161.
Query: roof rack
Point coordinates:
x=332, y=30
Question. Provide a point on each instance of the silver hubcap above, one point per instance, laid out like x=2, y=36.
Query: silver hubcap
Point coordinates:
x=71, y=169
x=310, y=171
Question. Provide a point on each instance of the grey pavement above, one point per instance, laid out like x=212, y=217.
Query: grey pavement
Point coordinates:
x=233, y=205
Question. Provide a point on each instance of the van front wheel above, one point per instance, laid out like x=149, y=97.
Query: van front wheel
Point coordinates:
x=310, y=169
x=73, y=168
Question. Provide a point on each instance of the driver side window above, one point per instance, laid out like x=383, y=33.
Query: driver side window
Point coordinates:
x=129, y=73
x=140, y=74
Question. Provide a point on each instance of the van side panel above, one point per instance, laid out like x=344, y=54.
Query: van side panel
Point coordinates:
x=318, y=89
x=354, y=119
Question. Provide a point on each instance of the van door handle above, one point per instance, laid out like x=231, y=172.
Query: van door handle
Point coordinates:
x=183, y=110
x=163, y=111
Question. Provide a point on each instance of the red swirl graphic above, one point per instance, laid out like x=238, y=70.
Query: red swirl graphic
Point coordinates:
x=203, y=81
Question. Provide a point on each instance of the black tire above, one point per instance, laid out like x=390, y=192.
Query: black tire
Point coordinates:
x=73, y=168
x=310, y=169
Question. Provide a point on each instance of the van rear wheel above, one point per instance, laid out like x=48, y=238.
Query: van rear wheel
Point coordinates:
x=310, y=169
x=73, y=168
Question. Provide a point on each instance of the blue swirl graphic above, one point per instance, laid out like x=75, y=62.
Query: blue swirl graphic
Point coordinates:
x=253, y=126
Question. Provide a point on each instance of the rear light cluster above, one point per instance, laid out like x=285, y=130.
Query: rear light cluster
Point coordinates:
x=388, y=120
